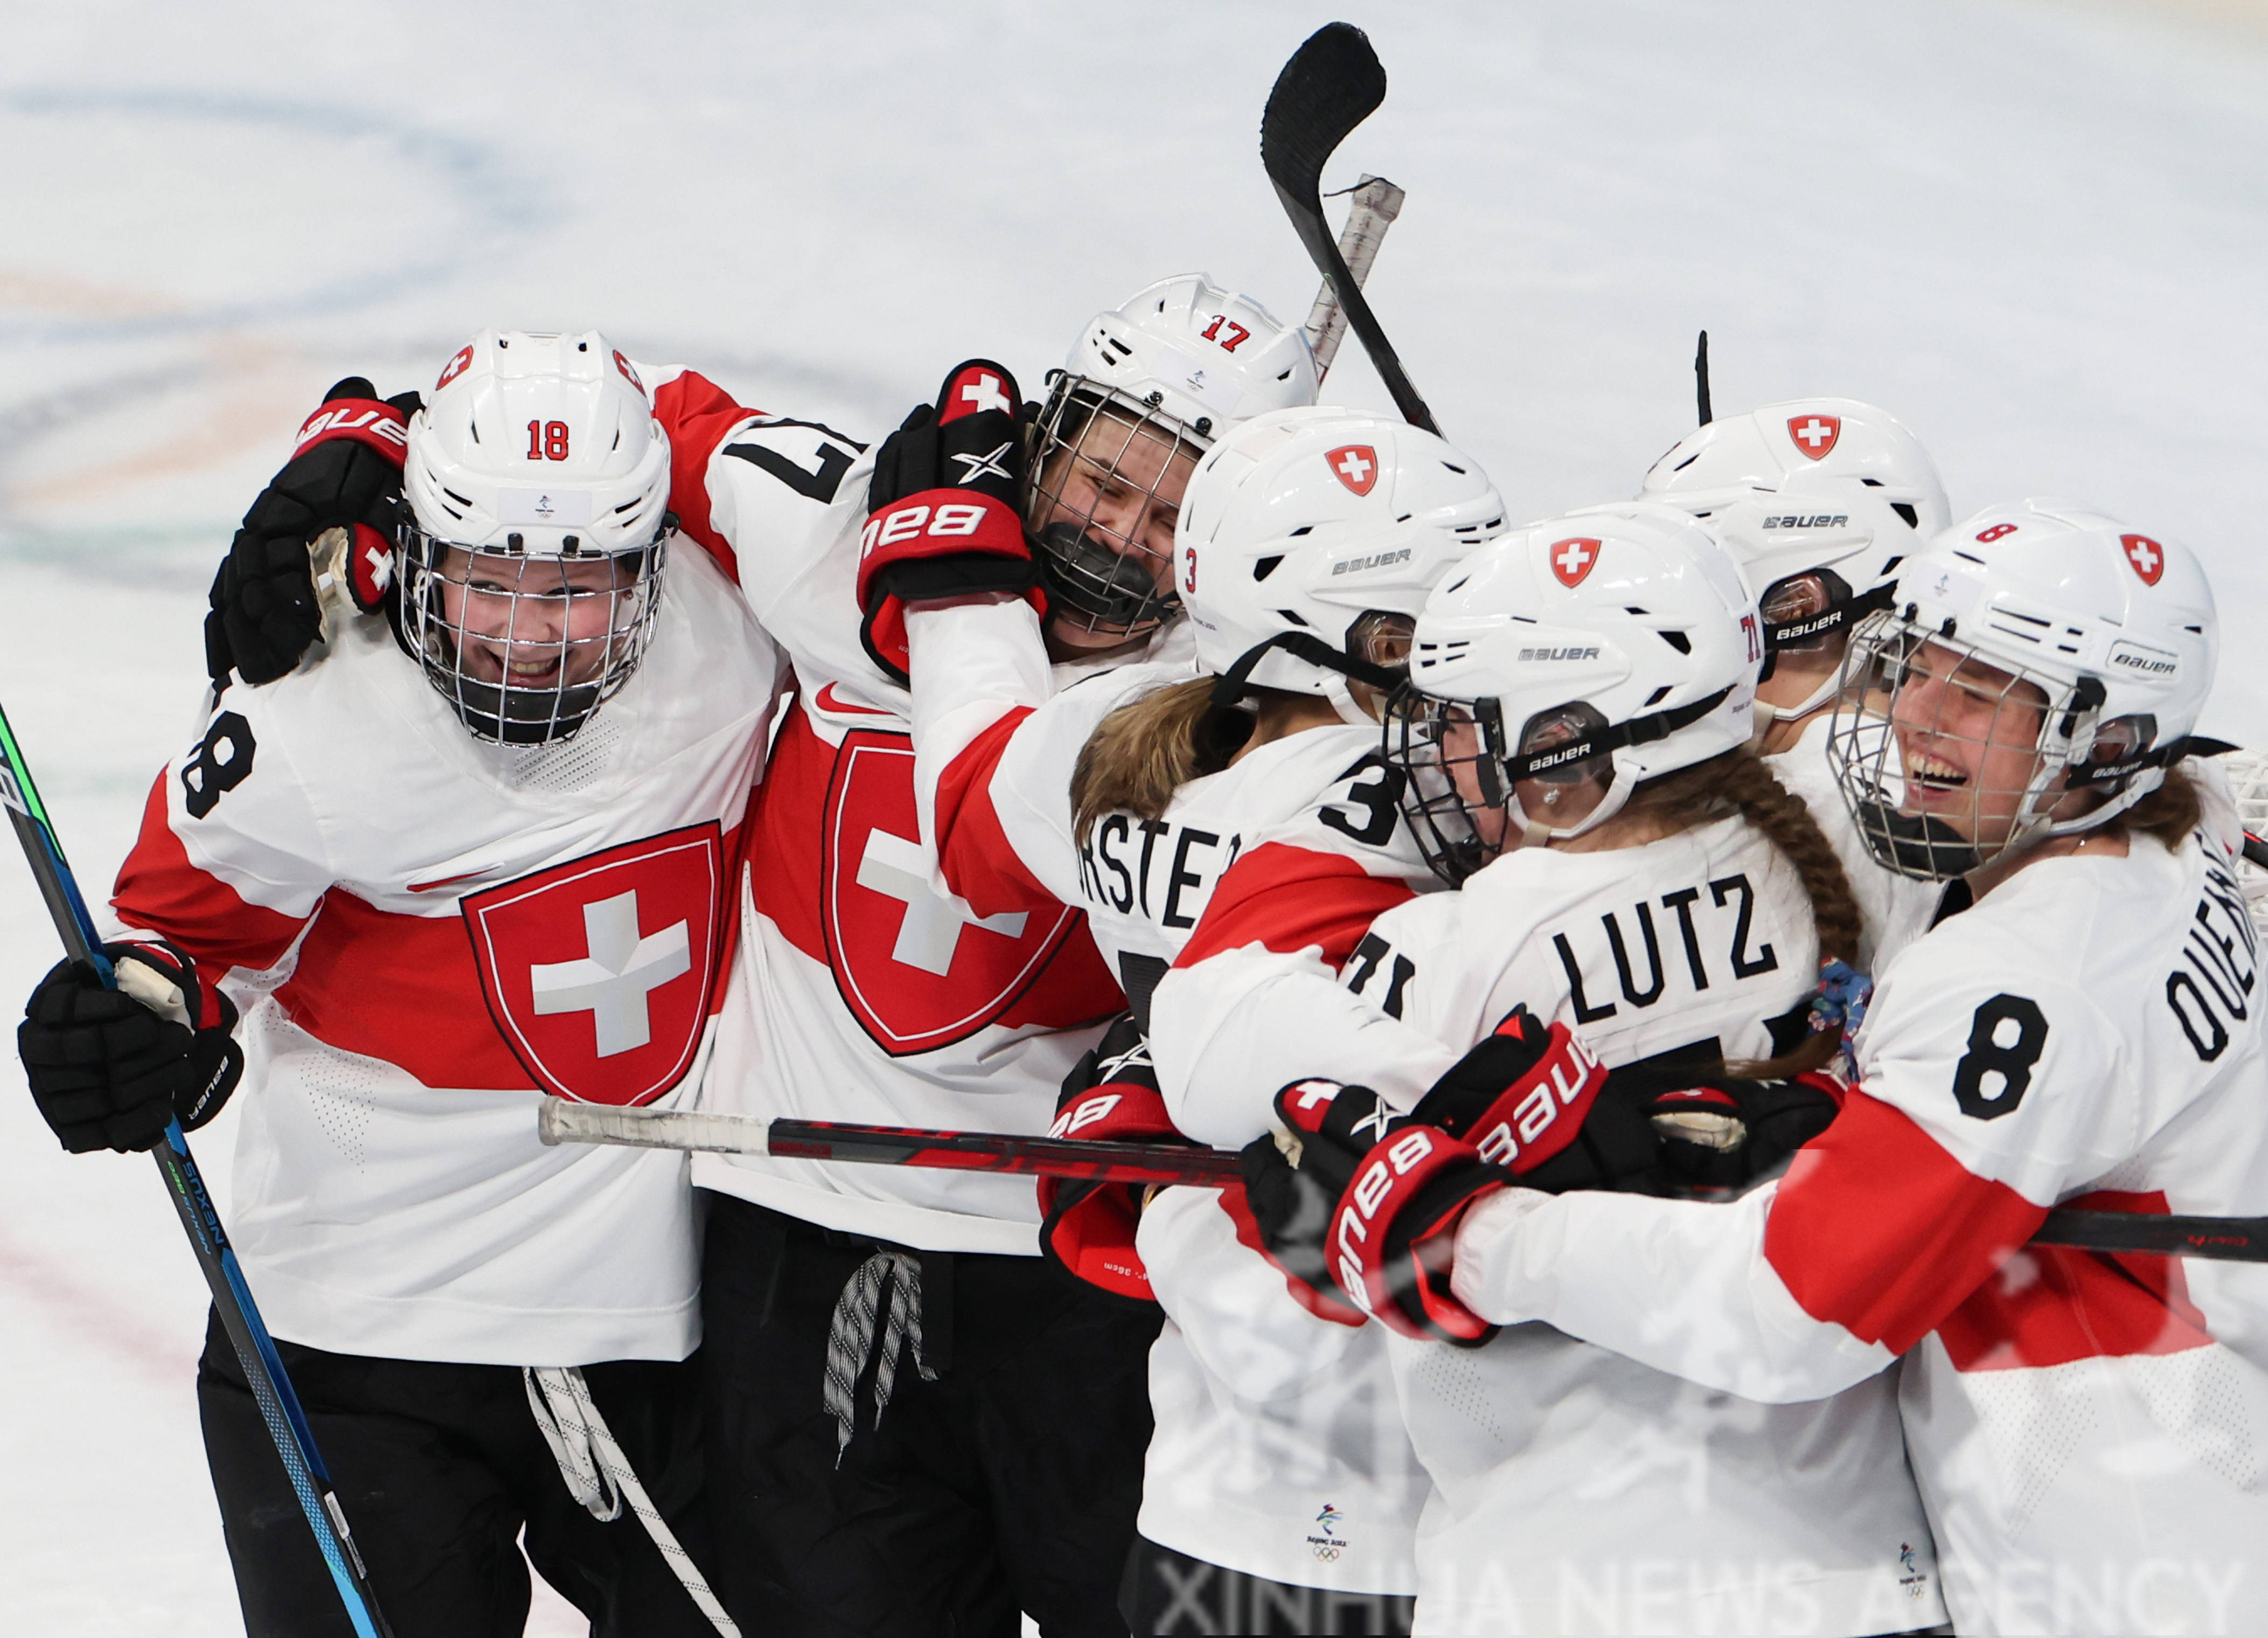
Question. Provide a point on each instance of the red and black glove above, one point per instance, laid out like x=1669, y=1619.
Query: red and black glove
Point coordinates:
x=110, y=1068
x=1398, y=1190
x=1291, y=1186
x=941, y=509
x=1088, y=1226
x=1533, y=1098
x=345, y=472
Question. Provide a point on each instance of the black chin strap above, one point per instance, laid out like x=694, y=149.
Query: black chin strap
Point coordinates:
x=1779, y=634
x=1236, y=682
x=1636, y=731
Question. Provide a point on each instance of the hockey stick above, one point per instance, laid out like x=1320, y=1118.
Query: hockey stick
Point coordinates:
x=561, y=1122
x=1332, y=84
x=2225, y=1239
x=2220, y=1239
x=263, y=1370
x=1372, y=209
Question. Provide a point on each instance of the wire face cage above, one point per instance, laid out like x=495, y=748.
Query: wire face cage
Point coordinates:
x=525, y=648
x=1108, y=473
x=1458, y=793
x=1946, y=757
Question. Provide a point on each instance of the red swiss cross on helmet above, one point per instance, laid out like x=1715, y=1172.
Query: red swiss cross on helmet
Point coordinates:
x=1815, y=434
x=2147, y=557
x=1571, y=559
x=1356, y=466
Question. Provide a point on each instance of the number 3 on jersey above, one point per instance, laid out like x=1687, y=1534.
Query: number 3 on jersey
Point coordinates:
x=2006, y=1038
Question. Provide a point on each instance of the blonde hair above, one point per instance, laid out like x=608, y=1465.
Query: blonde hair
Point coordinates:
x=1149, y=748
x=2168, y=813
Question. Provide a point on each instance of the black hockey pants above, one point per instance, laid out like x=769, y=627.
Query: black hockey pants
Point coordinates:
x=1009, y=1481
x=1171, y=1593
x=440, y=1468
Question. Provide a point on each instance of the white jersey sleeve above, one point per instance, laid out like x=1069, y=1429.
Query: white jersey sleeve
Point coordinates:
x=2087, y=1034
x=1282, y=976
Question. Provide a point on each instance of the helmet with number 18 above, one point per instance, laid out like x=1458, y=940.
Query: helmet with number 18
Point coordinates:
x=536, y=532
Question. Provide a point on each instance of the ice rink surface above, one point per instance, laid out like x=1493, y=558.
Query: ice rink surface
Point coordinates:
x=2035, y=232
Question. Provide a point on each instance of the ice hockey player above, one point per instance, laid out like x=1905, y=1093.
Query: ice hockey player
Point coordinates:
x=923, y=1422
x=1820, y=500
x=1634, y=888
x=1279, y=1491
x=2083, y=1426
x=479, y=856
x=861, y=992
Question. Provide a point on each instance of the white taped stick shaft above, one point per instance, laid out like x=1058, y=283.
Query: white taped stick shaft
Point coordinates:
x=559, y=1121
x=1370, y=212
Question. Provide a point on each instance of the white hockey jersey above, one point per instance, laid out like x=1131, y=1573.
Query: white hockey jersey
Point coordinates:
x=2088, y=1430
x=1575, y=1490
x=427, y=935
x=863, y=992
x=1278, y=1450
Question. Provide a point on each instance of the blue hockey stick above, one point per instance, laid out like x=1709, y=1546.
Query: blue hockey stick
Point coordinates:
x=271, y=1388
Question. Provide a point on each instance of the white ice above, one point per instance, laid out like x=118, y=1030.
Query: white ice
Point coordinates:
x=2035, y=232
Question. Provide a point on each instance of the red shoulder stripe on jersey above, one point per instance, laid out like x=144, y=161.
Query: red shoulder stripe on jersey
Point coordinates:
x=699, y=415
x=979, y=862
x=402, y=989
x=2049, y=1305
x=160, y=891
x=1877, y=1229
x=408, y=990
x=1289, y=898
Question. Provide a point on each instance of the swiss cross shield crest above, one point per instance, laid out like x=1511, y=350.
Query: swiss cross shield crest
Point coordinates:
x=1356, y=466
x=1571, y=559
x=1815, y=434
x=919, y=968
x=598, y=971
x=2147, y=557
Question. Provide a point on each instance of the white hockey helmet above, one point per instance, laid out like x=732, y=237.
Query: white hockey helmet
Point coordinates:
x=1612, y=644
x=2037, y=649
x=538, y=487
x=1820, y=500
x=1145, y=390
x=1310, y=539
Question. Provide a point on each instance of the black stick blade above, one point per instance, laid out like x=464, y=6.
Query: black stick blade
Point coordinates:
x=1333, y=83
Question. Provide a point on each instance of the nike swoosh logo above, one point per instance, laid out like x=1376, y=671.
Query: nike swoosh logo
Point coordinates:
x=826, y=699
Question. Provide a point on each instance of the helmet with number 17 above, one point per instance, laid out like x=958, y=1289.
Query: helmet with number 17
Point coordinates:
x=536, y=532
x=2042, y=668
x=1820, y=500
x=1146, y=391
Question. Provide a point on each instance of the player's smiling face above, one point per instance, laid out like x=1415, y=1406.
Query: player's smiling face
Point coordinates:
x=1969, y=737
x=1120, y=485
x=535, y=622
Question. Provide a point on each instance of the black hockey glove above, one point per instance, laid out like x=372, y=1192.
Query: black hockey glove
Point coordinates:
x=109, y=1068
x=345, y=472
x=942, y=516
x=1723, y=1134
